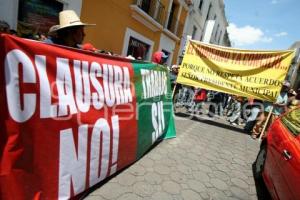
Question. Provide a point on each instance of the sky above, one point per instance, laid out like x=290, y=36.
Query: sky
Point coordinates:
x=263, y=24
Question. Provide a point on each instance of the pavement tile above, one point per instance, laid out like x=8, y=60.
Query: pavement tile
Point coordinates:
x=143, y=189
x=153, y=178
x=126, y=179
x=239, y=193
x=178, y=177
x=162, y=196
x=129, y=196
x=221, y=175
x=201, y=176
x=216, y=194
x=106, y=191
x=146, y=162
x=197, y=186
x=239, y=183
x=190, y=195
x=161, y=169
x=171, y=187
x=137, y=170
x=219, y=184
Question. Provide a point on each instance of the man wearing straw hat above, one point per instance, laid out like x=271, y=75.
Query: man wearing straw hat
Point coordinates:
x=71, y=30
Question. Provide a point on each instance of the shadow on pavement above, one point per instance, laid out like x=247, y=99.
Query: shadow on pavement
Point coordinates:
x=211, y=121
x=92, y=189
x=261, y=189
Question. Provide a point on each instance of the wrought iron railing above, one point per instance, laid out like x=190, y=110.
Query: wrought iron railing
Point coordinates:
x=154, y=8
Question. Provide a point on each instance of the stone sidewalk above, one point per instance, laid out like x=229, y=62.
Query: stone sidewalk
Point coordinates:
x=209, y=159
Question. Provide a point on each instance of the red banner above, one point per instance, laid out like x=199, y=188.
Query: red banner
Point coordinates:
x=62, y=127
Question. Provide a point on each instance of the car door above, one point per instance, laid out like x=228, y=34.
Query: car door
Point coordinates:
x=276, y=144
x=284, y=151
x=290, y=161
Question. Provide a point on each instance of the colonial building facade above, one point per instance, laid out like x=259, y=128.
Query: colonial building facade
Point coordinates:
x=136, y=27
x=206, y=22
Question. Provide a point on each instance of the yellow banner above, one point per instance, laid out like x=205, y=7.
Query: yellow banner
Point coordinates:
x=256, y=74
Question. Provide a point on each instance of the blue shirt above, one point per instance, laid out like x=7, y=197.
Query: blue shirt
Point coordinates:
x=281, y=99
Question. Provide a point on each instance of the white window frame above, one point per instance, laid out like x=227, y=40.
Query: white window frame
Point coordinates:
x=131, y=33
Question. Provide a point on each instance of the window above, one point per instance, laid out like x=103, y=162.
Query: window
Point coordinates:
x=171, y=17
x=202, y=35
x=200, y=4
x=145, y=5
x=194, y=32
x=208, y=12
x=216, y=33
x=292, y=121
x=129, y=46
x=137, y=49
x=220, y=37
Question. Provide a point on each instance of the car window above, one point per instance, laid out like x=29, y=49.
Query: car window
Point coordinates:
x=292, y=121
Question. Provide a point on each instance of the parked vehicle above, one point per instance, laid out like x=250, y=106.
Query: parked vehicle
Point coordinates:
x=278, y=161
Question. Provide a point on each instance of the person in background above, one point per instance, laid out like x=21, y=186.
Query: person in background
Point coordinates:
x=159, y=57
x=291, y=95
x=41, y=37
x=13, y=32
x=173, y=74
x=298, y=94
x=199, y=100
x=52, y=35
x=256, y=108
x=4, y=27
x=293, y=102
x=236, y=112
x=89, y=47
x=279, y=107
x=71, y=30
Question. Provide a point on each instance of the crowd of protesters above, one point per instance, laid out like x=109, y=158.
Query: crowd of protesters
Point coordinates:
x=251, y=113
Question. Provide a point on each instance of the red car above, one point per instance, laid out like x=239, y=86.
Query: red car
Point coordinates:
x=278, y=161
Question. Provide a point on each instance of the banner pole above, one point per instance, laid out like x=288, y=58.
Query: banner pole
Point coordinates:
x=265, y=125
x=173, y=93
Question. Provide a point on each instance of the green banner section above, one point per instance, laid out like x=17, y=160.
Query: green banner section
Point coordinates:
x=171, y=133
x=154, y=105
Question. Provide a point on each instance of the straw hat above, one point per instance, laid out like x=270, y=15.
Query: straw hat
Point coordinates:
x=68, y=18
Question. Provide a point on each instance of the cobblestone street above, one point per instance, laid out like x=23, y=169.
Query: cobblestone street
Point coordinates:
x=209, y=159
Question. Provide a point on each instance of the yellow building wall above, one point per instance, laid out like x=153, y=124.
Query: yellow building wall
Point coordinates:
x=112, y=17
